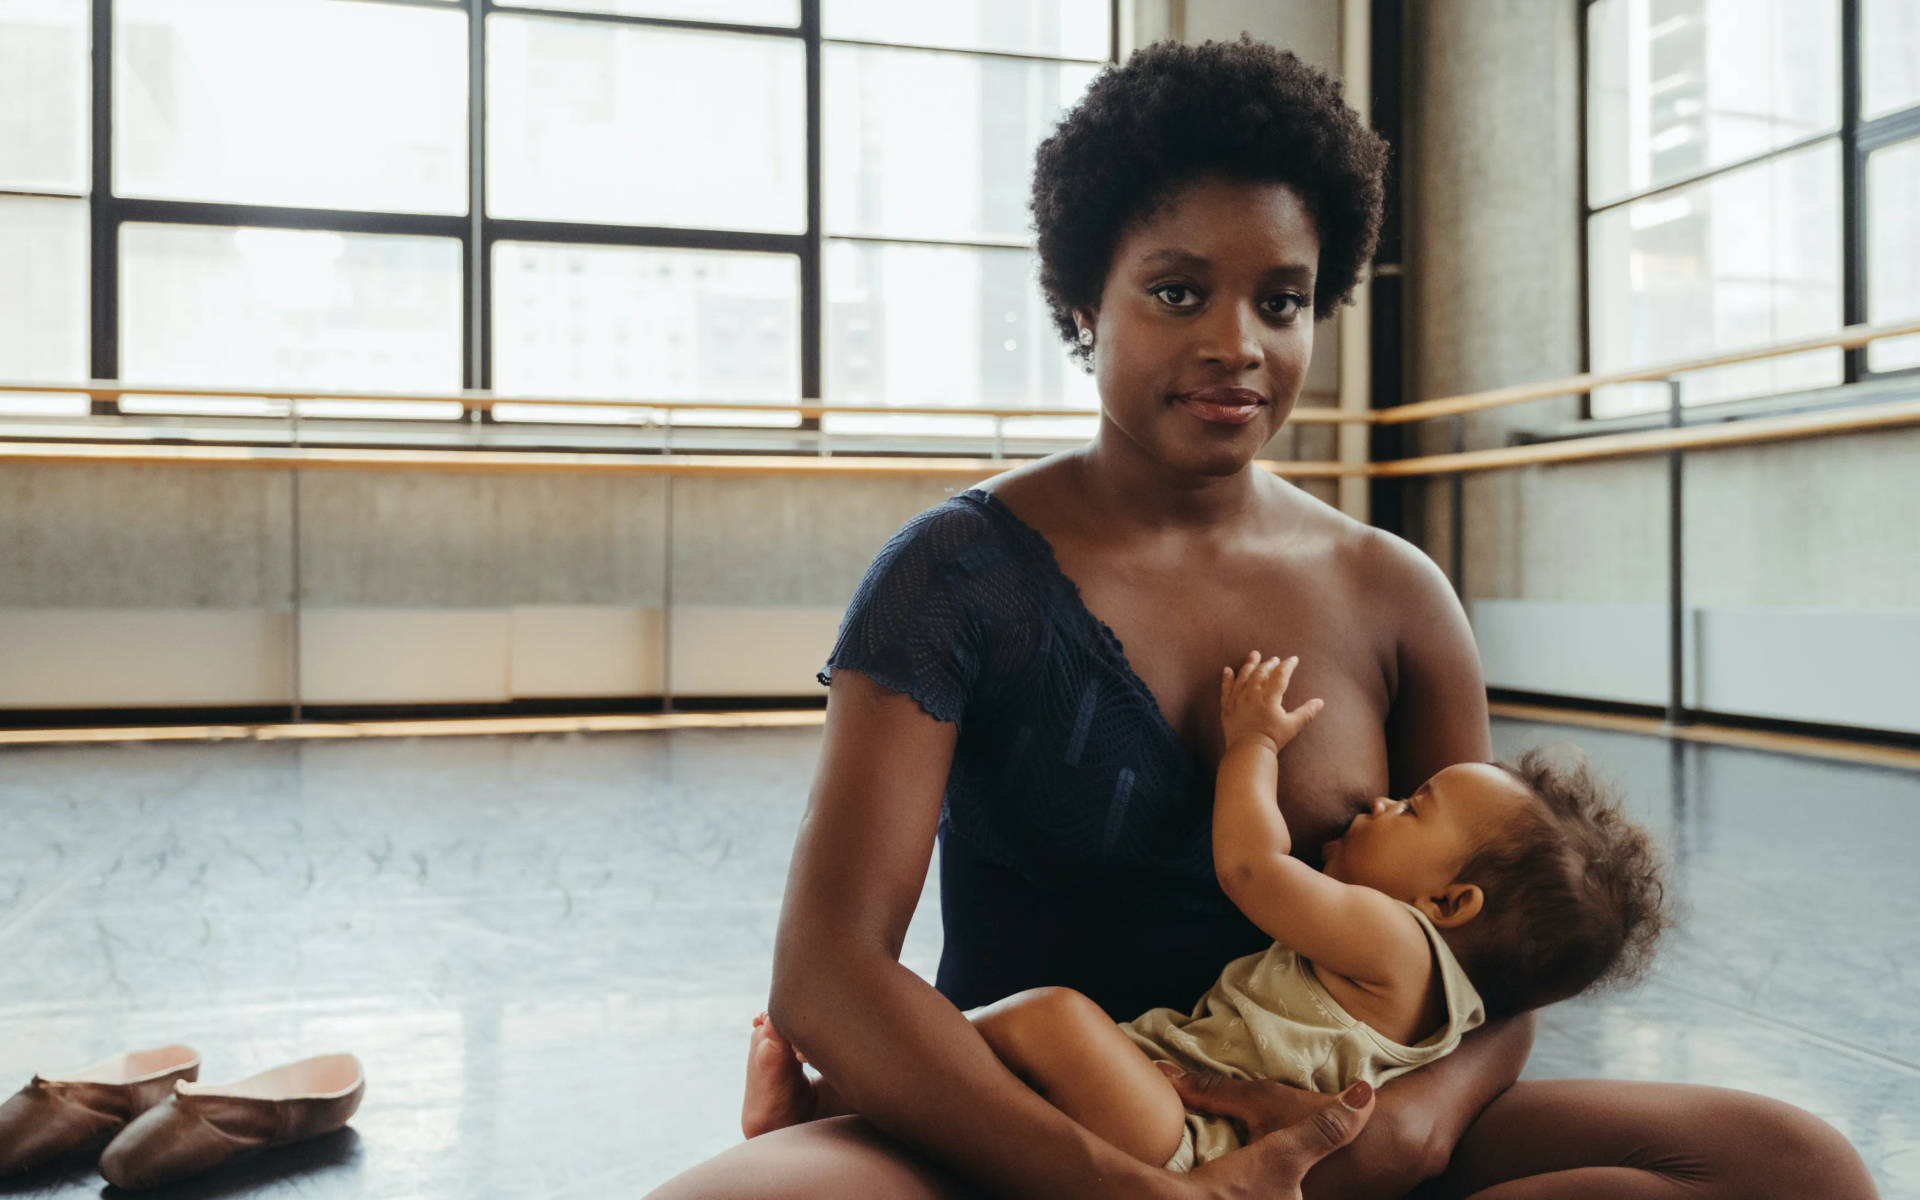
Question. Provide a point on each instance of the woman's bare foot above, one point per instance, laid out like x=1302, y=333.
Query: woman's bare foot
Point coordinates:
x=779, y=1093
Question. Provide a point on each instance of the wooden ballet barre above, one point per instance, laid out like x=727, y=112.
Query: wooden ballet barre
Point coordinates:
x=1720, y=434
x=479, y=401
x=1851, y=337
x=1747, y=432
x=318, y=457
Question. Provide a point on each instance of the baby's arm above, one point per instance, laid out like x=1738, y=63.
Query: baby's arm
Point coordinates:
x=1353, y=931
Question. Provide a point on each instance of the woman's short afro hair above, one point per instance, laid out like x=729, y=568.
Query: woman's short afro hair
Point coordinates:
x=1173, y=113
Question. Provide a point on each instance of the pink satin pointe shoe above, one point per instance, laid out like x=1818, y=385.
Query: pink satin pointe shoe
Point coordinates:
x=54, y=1116
x=204, y=1124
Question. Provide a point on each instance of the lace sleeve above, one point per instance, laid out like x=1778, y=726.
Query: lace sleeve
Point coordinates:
x=917, y=619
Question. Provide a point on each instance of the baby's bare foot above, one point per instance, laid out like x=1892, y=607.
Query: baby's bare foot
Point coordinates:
x=779, y=1093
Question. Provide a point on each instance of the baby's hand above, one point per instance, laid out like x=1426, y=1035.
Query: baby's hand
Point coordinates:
x=1251, y=701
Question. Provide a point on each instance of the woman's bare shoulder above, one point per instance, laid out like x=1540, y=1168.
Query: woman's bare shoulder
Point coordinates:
x=1381, y=572
x=1030, y=484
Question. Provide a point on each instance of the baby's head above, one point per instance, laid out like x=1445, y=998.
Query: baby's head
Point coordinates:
x=1540, y=886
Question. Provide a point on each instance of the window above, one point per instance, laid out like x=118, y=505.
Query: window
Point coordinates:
x=289, y=308
x=1720, y=157
x=931, y=284
x=211, y=102
x=636, y=125
x=724, y=200
x=629, y=322
x=43, y=201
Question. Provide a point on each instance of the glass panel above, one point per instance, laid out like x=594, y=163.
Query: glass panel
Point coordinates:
x=922, y=144
x=43, y=290
x=1893, y=251
x=1071, y=28
x=242, y=102
x=941, y=325
x=1744, y=259
x=738, y=12
x=1678, y=87
x=44, y=134
x=289, y=308
x=1889, y=56
x=575, y=129
x=615, y=322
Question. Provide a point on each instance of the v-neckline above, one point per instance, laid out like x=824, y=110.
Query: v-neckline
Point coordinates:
x=1103, y=633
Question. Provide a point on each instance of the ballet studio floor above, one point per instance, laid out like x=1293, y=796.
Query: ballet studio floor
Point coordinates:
x=546, y=949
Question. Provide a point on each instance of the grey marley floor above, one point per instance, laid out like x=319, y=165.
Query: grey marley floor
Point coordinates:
x=546, y=950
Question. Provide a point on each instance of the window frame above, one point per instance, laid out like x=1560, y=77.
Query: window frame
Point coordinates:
x=476, y=231
x=1857, y=139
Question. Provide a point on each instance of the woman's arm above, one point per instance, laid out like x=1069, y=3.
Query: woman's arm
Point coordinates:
x=1417, y=1118
x=897, y=1050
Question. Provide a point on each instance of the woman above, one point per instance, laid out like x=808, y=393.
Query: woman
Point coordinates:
x=1031, y=669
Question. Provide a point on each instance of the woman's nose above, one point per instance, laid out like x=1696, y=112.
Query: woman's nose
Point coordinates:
x=1382, y=804
x=1232, y=338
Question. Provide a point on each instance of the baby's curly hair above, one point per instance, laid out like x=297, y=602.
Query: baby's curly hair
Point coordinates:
x=1576, y=895
x=1173, y=113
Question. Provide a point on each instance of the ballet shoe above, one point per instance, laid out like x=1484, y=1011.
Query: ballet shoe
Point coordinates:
x=204, y=1124
x=54, y=1116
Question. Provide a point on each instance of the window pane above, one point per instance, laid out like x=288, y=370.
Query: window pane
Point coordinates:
x=1677, y=87
x=737, y=12
x=1889, y=56
x=242, y=102
x=44, y=135
x=922, y=144
x=1072, y=28
x=575, y=128
x=617, y=322
x=924, y=325
x=1744, y=259
x=43, y=300
x=1893, y=251
x=289, y=308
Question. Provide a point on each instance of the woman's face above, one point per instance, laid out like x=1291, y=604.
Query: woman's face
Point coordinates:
x=1205, y=324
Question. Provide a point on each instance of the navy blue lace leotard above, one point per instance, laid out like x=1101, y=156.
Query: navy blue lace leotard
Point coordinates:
x=1075, y=834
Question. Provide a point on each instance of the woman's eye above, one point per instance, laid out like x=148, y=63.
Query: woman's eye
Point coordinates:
x=1286, y=304
x=1175, y=294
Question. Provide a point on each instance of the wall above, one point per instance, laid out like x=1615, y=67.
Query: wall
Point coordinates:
x=1800, y=578
x=129, y=586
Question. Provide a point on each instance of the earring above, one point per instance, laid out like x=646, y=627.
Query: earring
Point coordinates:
x=1086, y=337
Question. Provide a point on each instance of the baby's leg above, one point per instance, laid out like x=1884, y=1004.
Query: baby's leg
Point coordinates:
x=1071, y=1052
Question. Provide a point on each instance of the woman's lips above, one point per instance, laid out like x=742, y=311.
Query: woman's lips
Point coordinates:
x=1224, y=406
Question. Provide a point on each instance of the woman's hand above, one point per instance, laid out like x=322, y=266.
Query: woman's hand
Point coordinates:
x=1288, y=1131
x=1252, y=701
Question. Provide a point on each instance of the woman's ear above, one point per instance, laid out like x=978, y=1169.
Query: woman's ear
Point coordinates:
x=1453, y=906
x=1086, y=318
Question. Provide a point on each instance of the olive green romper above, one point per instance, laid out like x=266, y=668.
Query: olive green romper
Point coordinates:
x=1268, y=1017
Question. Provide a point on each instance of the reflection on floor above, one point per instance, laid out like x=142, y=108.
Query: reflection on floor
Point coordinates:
x=547, y=949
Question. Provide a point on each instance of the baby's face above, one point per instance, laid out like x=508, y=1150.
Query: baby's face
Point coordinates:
x=1412, y=849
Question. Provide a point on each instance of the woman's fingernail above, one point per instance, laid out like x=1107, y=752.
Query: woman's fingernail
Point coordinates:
x=1356, y=1097
x=1169, y=1070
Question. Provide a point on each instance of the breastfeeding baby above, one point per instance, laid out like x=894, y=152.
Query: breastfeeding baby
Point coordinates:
x=1491, y=890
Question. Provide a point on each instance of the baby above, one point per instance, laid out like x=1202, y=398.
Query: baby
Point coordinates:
x=1493, y=889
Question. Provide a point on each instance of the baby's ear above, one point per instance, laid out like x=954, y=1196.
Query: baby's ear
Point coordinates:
x=1454, y=905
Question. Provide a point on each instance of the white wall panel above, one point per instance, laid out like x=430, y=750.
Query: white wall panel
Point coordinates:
x=122, y=658
x=773, y=651
x=405, y=656
x=585, y=650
